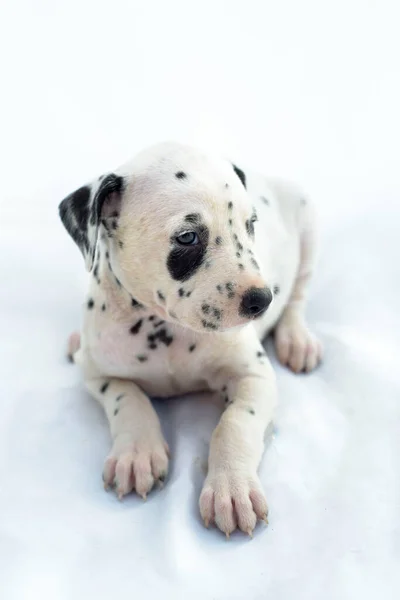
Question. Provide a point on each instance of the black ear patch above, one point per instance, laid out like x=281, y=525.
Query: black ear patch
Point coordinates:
x=82, y=211
x=74, y=213
x=111, y=184
x=240, y=174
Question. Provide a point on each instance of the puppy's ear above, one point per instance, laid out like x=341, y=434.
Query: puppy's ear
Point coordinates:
x=240, y=174
x=82, y=212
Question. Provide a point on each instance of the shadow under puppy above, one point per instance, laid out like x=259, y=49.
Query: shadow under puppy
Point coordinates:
x=181, y=292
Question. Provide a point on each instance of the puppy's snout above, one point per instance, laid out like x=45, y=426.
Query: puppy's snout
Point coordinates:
x=255, y=302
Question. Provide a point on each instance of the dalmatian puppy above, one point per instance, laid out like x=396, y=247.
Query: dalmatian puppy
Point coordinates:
x=192, y=262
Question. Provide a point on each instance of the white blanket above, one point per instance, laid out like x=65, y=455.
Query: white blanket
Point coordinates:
x=85, y=87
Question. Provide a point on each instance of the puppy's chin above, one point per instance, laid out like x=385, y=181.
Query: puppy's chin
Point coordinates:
x=235, y=327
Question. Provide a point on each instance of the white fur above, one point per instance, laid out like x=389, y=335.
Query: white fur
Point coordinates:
x=230, y=360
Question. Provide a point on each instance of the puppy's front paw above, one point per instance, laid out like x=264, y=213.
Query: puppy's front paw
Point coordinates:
x=231, y=500
x=135, y=465
x=296, y=346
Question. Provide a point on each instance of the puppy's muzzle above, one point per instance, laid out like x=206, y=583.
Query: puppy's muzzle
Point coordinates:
x=255, y=302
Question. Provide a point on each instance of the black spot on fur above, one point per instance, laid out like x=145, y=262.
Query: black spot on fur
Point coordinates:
x=219, y=288
x=116, y=411
x=241, y=267
x=136, y=328
x=251, y=411
x=165, y=338
x=230, y=222
x=224, y=388
x=226, y=399
x=135, y=303
x=151, y=318
x=277, y=289
x=235, y=237
x=240, y=174
x=205, y=308
x=181, y=292
x=103, y=307
x=218, y=240
x=192, y=347
x=152, y=346
x=264, y=199
x=120, y=244
x=229, y=286
x=217, y=313
x=239, y=247
x=104, y=387
x=230, y=205
x=114, y=224
x=90, y=303
x=118, y=398
x=180, y=175
x=208, y=325
x=162, y=336
x=142, y=357
x=255, y=263
x=260, y=354
x=158, y=324
x=238, y=255
x=188, y=294
x=250, y=227
x=161, y=296
x=117, y=281
x=107, y=254
x=231, y=294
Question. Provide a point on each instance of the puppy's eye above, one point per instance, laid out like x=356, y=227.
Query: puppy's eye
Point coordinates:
x=188, y=238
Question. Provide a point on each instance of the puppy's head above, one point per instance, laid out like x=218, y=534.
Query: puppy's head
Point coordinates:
x=179, y=231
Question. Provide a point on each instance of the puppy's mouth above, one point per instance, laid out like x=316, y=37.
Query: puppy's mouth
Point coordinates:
x=164, y=311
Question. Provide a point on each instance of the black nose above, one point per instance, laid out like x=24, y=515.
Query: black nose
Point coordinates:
x=255, y=302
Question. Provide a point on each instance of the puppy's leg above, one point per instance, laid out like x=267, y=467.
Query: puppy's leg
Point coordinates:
x=295, y=345
x=139, y=454
x=232, y=494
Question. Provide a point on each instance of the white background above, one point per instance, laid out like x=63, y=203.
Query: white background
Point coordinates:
x=308, y=90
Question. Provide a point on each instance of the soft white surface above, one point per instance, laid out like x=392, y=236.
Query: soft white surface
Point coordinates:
x=308, y=90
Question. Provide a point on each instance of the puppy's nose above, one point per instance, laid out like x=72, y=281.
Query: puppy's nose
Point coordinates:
x=255, y=302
